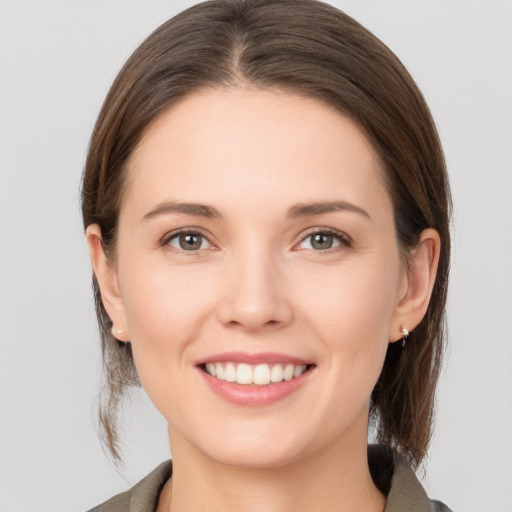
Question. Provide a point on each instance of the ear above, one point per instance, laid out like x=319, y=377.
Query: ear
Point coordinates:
x=419, y=279
x=105, y=273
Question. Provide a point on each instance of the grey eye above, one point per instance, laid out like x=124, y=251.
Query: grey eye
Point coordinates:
x=324, y=241
x=321, y=241
x=188, y=241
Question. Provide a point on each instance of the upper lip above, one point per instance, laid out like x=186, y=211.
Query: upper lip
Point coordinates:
x=258, y=358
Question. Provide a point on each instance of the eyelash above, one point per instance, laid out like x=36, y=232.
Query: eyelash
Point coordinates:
x=175, y=234
x=339, y=236
x=343, y=239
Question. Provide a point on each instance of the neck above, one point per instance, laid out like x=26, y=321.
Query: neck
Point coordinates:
x=337, y=479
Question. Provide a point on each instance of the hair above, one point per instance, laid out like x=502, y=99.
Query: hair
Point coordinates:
x=315, y=50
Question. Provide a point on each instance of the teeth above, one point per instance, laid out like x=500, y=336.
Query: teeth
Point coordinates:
x=276, y=375
x=244, y=374
x=297, y=371
x=288, y=372
x=230, y=373
x=210, y=368
x=260, y=375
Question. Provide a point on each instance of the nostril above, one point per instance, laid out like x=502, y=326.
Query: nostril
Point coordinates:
x=252, y=311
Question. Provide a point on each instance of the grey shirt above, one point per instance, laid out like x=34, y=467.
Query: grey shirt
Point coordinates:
x=389, y=471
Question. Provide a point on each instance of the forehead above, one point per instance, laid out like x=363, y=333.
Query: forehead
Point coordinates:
x=222, y=144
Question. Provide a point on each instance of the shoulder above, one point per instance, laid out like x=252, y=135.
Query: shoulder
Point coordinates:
x=389, y=470
x=398, y=481
x=143, y=496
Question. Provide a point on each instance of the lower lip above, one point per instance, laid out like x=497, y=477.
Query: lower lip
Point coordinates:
x=253, y=395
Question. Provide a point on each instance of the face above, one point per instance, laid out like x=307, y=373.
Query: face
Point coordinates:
x=257, y=275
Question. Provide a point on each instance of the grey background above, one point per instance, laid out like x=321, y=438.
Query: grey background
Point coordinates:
x=57, y=60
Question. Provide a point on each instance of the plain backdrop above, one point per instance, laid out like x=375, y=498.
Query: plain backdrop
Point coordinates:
x=57, y=60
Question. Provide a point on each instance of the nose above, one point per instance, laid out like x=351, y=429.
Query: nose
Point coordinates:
x=256, y=293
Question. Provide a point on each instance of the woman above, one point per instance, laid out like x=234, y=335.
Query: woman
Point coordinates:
x=267, y=210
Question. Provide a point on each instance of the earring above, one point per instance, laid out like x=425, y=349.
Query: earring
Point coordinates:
x=116, y=331
x=405, y=334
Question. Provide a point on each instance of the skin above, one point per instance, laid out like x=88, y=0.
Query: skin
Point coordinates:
x=257, y=284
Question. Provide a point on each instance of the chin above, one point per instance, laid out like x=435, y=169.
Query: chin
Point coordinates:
x=259, y=447
x=255, y=457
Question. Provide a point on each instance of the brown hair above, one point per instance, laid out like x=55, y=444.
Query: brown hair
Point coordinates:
x=313, y=49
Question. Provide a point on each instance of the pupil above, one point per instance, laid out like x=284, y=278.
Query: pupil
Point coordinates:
x=190, y=242
x=322, y=241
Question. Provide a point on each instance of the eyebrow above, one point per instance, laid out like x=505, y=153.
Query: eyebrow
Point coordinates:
x=198, y=210
x=317, y=208
x=296, y=211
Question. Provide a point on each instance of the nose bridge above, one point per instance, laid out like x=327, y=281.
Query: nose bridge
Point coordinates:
x=257, y=293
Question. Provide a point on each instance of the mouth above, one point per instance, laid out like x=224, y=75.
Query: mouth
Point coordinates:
x=261, y=374
x=255, y=379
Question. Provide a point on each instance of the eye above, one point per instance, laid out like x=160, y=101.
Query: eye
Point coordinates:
x=187, y=241
x=324, y=240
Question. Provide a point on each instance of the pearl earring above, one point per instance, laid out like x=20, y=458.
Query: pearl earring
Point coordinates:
x=405, y=334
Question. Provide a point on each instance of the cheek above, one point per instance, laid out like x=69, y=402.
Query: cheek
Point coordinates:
x=357, y=299
x=351, y=311
x=166, y=311
x=165, y=306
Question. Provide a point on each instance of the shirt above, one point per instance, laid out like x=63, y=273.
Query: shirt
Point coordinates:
x=389, y=471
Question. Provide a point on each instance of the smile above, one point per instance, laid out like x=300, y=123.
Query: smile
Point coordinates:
x=259, y=374
x=255, y=380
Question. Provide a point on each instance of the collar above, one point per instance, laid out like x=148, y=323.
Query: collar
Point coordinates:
x=390, y=472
